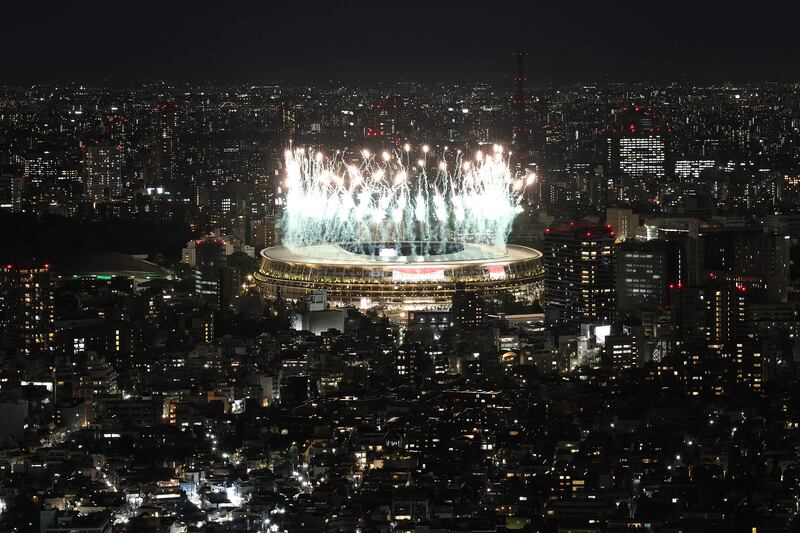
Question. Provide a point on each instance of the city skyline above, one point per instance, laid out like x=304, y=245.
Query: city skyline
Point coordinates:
x=246, y=298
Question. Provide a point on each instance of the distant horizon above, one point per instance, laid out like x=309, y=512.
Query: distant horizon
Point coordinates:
x=360, y=40
x=377, y=83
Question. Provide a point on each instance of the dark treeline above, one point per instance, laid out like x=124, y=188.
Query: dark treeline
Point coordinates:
x=61, y=240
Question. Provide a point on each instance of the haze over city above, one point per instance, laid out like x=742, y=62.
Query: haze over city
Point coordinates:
x=414, y=41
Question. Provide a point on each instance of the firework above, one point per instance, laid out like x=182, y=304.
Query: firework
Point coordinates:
x=390, y=198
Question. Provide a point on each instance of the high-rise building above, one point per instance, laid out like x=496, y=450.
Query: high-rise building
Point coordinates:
x=10, y=190
x=623, y=221
x=580, y=271
x=102, y=167
x=726, y=313
x=646, y=271
x=750, y=257
x=640, y=156
x=467, y=309
x=688, y=315
x=710, y=315
x=39, y=167
x=519, y=128
x=410, y=361
x=262, y=232
x=687, y=169
x=165, y=125
x=622, y=351
x=203, y=327
x=230, y=288
x=209, y=262
x=746, y=364
x=287, y=125
x=28, y=316
x=637, y=147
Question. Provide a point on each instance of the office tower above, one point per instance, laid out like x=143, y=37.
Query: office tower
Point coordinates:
x=750, y=257
x=622, y=351
x=688, y=169
x=10, y=190
x=646, y=271
x=641, y=156
x=580, y=271
x=287, y=123
x=230, y=288
x=27, y=308
x=731, y=335
x=519, y=134
x=102, y=168
x=410, y=361
x=165, y=125
x=745, y=360
x=637, y=148
x=710, y=315
x=37, y=168
x=203, y=326
x=623, y=221
x=717, y=342
x=727, y=308
x=467, y=309
x=209, y=262
x=262, y=232
x=688, y=315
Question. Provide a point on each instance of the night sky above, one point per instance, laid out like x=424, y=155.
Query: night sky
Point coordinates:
x=266, y=41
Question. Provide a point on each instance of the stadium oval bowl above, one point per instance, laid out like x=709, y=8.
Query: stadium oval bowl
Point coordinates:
x=377, y=274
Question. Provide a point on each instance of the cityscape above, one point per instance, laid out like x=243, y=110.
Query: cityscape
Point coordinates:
x=421, y=304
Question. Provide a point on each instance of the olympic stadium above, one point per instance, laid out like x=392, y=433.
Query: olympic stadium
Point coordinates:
x=365, y=276
x=397, y=233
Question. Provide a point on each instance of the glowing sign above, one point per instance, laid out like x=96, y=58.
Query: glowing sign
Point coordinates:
x=412, y=275
x=601, y=332
x=496, y=271
x=46, y=384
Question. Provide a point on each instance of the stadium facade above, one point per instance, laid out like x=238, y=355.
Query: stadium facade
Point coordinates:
x=399, y=277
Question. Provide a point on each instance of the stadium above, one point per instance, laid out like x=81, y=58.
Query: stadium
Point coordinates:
x=365, y=276
x=389, y=232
